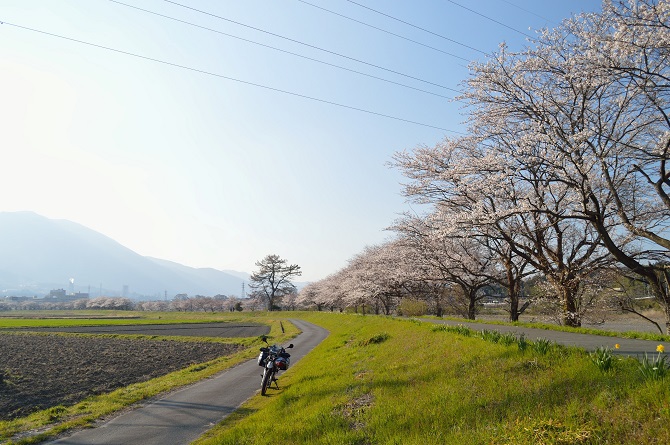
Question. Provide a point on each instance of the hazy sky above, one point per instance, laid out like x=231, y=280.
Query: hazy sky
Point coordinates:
x=220, y=169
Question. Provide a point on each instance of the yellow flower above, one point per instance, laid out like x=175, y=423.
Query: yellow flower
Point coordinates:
x=617, y=346
x=660, y=348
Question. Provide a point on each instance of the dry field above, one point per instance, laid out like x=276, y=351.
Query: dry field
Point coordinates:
x=42, y=371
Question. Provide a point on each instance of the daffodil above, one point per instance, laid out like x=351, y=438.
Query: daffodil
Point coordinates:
x=660, y=348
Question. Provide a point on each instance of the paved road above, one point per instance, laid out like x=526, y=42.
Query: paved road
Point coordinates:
x=183, y=416
x=628, y=346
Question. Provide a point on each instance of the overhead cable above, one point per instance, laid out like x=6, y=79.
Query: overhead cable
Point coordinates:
x=529, y=12
x=382, y=30
x=417, y=27
x=310, y=46
x=221, y=76
x=491, y=19
x=280, y=50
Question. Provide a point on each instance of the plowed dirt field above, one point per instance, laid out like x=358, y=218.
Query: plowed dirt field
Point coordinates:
x=42, y=371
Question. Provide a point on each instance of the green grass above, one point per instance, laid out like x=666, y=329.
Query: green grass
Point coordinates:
x=380, y=380
x=31, y=319
x=46, y=424
x=555, y=327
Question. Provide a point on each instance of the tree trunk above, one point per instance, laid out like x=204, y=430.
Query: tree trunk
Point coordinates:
x=567, y=289
x=571, y=316
x=472, y=306
x=660, y=286
x=438, y=305
x=514, y=289
x=513, y=307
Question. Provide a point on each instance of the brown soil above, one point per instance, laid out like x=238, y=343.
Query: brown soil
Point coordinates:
x=43, y=371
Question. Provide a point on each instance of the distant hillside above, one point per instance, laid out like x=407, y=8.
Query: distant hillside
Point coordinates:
x=211, y=278
x=38, y=254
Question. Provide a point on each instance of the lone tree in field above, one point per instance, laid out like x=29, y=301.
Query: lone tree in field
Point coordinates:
x=273, y=280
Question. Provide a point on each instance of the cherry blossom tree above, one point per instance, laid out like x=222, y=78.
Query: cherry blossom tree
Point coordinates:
x=376, y=279
x=309, y=296
x=460, y=265
x=587, y=106
x=325, y=293
x=634, y=54
x=496, y=189
x=383, y=275
x=564, y=168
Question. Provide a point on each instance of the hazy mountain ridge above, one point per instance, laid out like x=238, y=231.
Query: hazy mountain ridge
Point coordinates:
x=37, y=253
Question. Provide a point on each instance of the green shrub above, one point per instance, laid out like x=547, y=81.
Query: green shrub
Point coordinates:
x=542, y=346
x=460, y=330
x=507, y=339
x=412, y=308
x=522, y=343
x=654, y=369
x=375, y=339
x=602, y=358
x=490, y=335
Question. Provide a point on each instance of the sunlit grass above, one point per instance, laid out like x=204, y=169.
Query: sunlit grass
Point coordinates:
x=381, y=380
x=555, y=327
x=16, y=319
x=422, y=385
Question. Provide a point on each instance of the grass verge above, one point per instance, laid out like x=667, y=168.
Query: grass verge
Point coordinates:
x=380, y=380
x=46, y=319
x=554, y=327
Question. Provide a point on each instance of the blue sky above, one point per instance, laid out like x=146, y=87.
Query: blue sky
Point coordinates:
x=219, y=170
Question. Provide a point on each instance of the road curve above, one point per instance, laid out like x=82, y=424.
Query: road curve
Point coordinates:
x=184, y=415
x=627, y=346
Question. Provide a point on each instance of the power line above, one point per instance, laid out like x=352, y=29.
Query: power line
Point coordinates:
x=417, y=27
x=382, y=30
x=489, y=18
x=529, y=11
x=309, y=45
x=281, y=50
x=221, y=76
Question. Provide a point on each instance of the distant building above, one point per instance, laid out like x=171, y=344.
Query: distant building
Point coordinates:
x=60, y=295
x=57, y=293
x=16, y=299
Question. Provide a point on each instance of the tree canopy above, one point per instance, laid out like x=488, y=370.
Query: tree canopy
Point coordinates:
x=563, y=172
x=272, y=280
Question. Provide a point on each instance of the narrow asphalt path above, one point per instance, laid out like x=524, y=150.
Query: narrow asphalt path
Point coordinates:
x=627, y=346
x=184, y=415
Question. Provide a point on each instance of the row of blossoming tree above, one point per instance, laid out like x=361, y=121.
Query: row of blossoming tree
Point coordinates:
x=562, y=174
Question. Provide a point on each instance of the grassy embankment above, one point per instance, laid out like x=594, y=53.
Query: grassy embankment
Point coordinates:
x=554, y=327
x=48, y=423
x=378, y=380
x=384, y=381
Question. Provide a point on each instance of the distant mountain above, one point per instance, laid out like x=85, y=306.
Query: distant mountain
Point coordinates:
x=242, y=275
x=207, y=276
x=39, y=254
